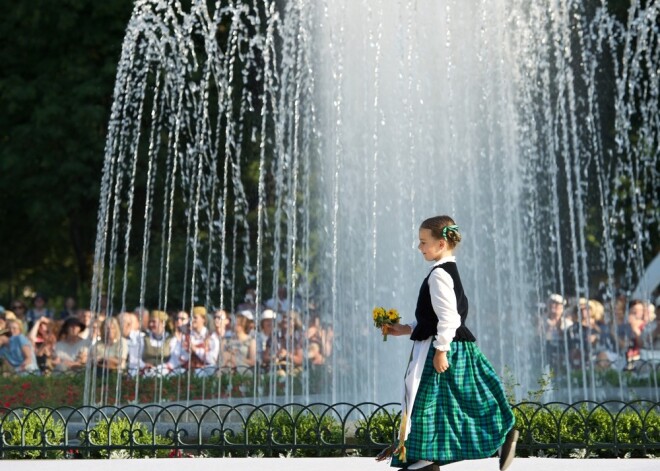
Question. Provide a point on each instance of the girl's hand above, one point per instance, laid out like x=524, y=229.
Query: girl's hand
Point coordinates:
x=396, y=329
x=440, y=362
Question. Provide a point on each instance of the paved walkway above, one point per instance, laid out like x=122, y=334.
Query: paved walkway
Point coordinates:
x=319, y=464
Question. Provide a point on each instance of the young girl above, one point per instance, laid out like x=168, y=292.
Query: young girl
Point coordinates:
x=454, y=406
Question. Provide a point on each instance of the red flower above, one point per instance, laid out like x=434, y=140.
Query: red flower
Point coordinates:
x=25, y=386
x=7, y=405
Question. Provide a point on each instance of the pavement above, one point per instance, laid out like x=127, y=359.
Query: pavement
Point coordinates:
x=319, y=464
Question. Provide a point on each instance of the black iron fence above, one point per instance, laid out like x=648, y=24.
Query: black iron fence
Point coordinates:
x=584, y=429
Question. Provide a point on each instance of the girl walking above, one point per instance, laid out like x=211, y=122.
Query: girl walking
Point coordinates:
x=454, y=406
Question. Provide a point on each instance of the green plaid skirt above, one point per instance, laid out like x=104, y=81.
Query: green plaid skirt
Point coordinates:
x=461, y=414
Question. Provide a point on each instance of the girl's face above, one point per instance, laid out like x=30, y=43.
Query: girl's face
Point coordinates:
x=15, y=329
x=113, y=332
x=73, y=330
x=198, y=322
x=432, y=249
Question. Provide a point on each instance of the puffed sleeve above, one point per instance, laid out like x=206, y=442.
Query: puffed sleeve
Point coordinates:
x=443, y=299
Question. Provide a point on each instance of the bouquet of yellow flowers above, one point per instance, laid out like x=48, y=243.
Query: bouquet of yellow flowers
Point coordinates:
x=383, y=318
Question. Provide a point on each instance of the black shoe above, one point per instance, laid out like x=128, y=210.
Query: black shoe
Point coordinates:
x=508, y=452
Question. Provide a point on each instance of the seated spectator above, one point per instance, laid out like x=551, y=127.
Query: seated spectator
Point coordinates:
x=70, y=350
x=266, y=331
x=315, y=342
x=630, y=333
x=178, y=355
x=69, y=309
x=242, y=346
x=4, y=318
x=39, y=310
x=552, y=327
x=16, y=350
x=43, y=338
x=130, y=331
x=315, y=353
x=218, y=341
x=588, y=335
x=19, y=309
x=85, y=316
x=156, y=350
x=111, y=351
x=650, y=326
x=287, y=344
x=143, y=317
x=279, y=302
x=200, y=356
x=249, y=301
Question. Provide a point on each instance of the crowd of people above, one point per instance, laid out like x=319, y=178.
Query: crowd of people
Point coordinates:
x=273, y=337
x=204, y=341
x=620, y=335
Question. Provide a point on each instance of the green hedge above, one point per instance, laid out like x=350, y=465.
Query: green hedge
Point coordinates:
x=579, y=430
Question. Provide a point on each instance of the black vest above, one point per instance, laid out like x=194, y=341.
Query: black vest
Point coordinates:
x=427, y=320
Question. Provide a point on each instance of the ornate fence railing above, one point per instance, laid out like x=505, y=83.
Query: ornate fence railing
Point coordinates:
x=609, y=429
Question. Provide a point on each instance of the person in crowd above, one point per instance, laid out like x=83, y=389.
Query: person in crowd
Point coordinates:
x=143, y=317
x=279, y=302
x=111, y=351
x=19, y=308
x=650, y=326
x=630, y=333
x=584, y=336
x=4, y=317
x=104, y=302
x=552, y=327
x=43, y=338
x=620, y=309
x=178, y=355
x=243, y=346
x=200, y=357
x=218, y=341
x=130, y=331
x=249, y=301
x=156, y=350
x=287, y=344
x=39, y=309
x=266, y=332
x=606, y=356
x=16, y=350
x=315, y=353
x=70, y=350
x=85, y=316
x=70, y=308
x=315, y=341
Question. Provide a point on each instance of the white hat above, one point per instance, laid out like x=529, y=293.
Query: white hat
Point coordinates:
x=246, y=313
x=268, y=314
x=556, y=298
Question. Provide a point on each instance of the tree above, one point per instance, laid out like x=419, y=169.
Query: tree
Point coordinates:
x=59, y=61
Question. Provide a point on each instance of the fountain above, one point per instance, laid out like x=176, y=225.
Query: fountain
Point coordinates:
x=533, y=124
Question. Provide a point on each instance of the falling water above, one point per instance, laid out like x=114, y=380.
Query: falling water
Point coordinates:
x=535, y=125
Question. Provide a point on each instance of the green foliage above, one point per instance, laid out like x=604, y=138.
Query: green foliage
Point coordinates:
x=59, y=63
x=34, y=428
x=380, y=428
x=509, y=382
x=541, y=428
x=122, y=434
x=285, y=427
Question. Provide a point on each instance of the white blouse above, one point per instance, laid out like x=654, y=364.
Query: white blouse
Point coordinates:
x=443, y=299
